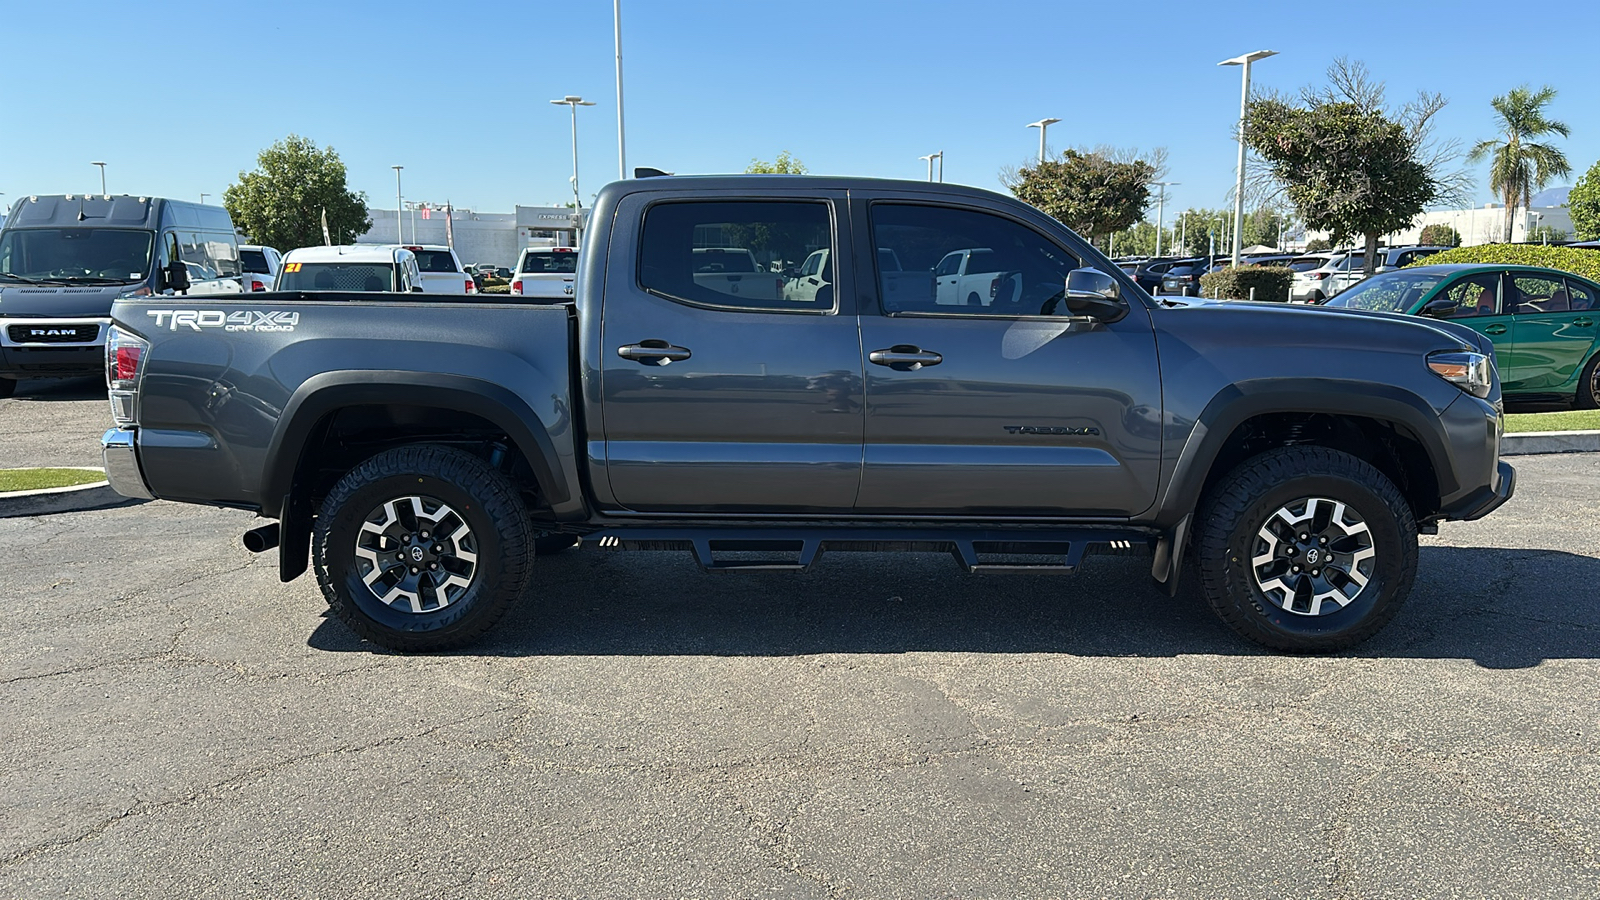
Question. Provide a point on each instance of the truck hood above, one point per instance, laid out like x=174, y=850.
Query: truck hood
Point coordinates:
x=1331, y=326
x=91, y=301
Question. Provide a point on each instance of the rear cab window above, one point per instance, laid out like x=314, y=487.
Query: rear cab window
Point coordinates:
x=558, y=261
x=436, y=261
x=337, y=276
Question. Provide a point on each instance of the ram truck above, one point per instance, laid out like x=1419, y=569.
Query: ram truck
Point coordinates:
x=420, y=452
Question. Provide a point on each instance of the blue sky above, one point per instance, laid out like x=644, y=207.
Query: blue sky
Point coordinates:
x=458, y=92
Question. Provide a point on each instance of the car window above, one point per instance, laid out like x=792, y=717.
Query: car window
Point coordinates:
x=1580, y=296
x=1306, y=264
x=544, y=262
x=1536, y=294
x=1475, y=295
x=1011, y=270
x=733, y=254
x=436, y=261
x=254, y=262
x=337, y=277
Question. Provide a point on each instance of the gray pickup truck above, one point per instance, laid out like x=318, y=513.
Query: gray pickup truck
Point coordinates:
x=420, y=451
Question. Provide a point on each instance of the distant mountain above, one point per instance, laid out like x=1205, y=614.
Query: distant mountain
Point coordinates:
x=1556, y=196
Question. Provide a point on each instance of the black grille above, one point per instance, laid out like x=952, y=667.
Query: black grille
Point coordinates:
x=53, y=334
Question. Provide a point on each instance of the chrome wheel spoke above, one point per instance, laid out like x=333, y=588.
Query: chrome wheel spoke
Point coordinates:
x=407, y=562
x=1313, y=557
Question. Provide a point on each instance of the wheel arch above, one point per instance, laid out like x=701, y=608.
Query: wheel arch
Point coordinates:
x=1393, y=428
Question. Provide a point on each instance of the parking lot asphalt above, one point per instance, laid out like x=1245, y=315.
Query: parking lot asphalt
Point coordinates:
x=177, y=723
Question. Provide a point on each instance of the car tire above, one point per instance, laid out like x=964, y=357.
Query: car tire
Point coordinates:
x=1588, y=396
x=1263, y=549
x=548, y=544
x=8, y=386
x=974, y=300
x=439, y=590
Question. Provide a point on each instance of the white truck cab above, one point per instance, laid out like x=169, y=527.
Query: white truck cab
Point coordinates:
x=353, y=267
x=547, y=273
x=442, y=271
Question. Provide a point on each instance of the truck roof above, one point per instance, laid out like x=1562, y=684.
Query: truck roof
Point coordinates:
x=758, y=184
x=365, y=253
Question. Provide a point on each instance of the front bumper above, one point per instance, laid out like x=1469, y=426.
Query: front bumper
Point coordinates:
x=50, y=354
x=119, y=449
x=1484, y=500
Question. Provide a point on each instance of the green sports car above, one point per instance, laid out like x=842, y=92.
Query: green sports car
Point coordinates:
x=1542, y=321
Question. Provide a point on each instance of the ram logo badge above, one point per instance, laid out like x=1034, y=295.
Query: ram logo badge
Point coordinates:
x=1049, y=429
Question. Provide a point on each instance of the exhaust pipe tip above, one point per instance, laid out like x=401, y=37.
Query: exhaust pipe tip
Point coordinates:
x=258, y=540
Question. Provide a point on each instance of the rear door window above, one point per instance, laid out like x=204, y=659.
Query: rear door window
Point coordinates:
x=735, y=254
x=1537, y=294
x=1580, y=297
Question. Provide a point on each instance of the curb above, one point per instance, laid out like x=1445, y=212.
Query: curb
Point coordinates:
x=96, y=495
x=1530, y=442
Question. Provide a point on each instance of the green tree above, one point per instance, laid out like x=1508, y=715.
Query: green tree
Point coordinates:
x=1519, y=165
x=1347, y=167
x=1093, y=193
x=1439, y=235
x=282, y=202
x=1584, y=205
x=1318, y=245
x=783, y=165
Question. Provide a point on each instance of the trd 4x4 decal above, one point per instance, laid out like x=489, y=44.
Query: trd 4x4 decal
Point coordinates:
x=239, y=320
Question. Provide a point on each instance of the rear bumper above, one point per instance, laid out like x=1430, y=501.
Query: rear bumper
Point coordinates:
x=119, y=449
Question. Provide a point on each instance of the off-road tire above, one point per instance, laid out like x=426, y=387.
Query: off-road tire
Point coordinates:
x=1239, y=505
x=484, y=500
x=548, y=544
x=1588, y=385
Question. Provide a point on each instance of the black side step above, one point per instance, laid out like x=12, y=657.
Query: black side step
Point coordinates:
x=980, y=551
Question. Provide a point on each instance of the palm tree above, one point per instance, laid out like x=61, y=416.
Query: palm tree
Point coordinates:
x=1520, y=166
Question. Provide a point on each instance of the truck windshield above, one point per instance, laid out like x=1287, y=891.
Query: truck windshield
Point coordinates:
x=336, y=277
x=541, y=263
x=77, y=254
x=1391, y=292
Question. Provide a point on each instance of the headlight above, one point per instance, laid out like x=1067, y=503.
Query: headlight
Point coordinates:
x=1472, y=372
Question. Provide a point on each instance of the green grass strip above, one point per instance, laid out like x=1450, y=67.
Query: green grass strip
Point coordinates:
x=38, y=479
x=1577, y=420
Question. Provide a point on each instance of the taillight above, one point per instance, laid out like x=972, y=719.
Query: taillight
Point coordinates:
x=472, y=286
x=1320, y=275
x=516, y=286
x=257, y=284
x=125, y=353
x=994, y=287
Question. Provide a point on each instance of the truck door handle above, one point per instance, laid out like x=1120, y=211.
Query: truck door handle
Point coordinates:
x=905, y=357
x=653, y=352
x=1494, y=329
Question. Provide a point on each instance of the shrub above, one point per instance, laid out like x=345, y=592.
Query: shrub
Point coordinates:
x=1439, y=235
x=503, y=287
x=1318, y=245
x=1270, y=283
x=1567, y=259
x=1584, y=204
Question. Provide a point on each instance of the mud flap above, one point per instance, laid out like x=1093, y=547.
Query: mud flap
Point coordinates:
x=1167, y=562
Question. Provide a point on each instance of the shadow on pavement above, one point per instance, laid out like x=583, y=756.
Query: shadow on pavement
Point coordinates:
x=1502, y=608
x=61, y=389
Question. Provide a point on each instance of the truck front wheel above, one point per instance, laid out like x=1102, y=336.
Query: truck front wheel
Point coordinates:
x=1306, y=549
x=421, y=548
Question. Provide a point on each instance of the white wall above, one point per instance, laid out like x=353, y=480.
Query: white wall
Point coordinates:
x=480, y=237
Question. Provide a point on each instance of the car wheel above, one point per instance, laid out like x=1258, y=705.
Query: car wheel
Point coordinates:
x=1588, y=385
x=1315, y=297
x=547, y=544
x=1306, y=549
x=8, y=386
x=974, y=300
x=422, y=548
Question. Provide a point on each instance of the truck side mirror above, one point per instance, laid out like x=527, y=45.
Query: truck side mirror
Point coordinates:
x=175, y=276
x=1093, y=293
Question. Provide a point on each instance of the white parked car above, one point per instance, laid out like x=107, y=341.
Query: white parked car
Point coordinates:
x=260, y=267
x=354, y=267
x=548, y=273
x=972, y=278
x=442, y=271
x=1318, y=284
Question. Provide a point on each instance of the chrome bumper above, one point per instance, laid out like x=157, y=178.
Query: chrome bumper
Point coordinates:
x=122, y=463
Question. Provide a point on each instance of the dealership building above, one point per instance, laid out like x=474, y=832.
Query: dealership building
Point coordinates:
x=480, y=237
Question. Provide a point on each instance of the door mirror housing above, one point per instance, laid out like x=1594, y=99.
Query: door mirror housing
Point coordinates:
x=1438, y=309
x=1093, y=293
x=175, y=277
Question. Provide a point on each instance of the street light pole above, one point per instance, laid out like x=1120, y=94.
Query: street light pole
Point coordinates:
x=1161, y=211
x=622, y=143
x=1244, y=110
x=574, y=102
x=930, y=158
x=399, y=227
x=203, y=196
x=102, y=176
x=1043, y=125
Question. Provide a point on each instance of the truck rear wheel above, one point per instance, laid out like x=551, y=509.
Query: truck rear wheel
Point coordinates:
x=422, y=548
x=1306, y=549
